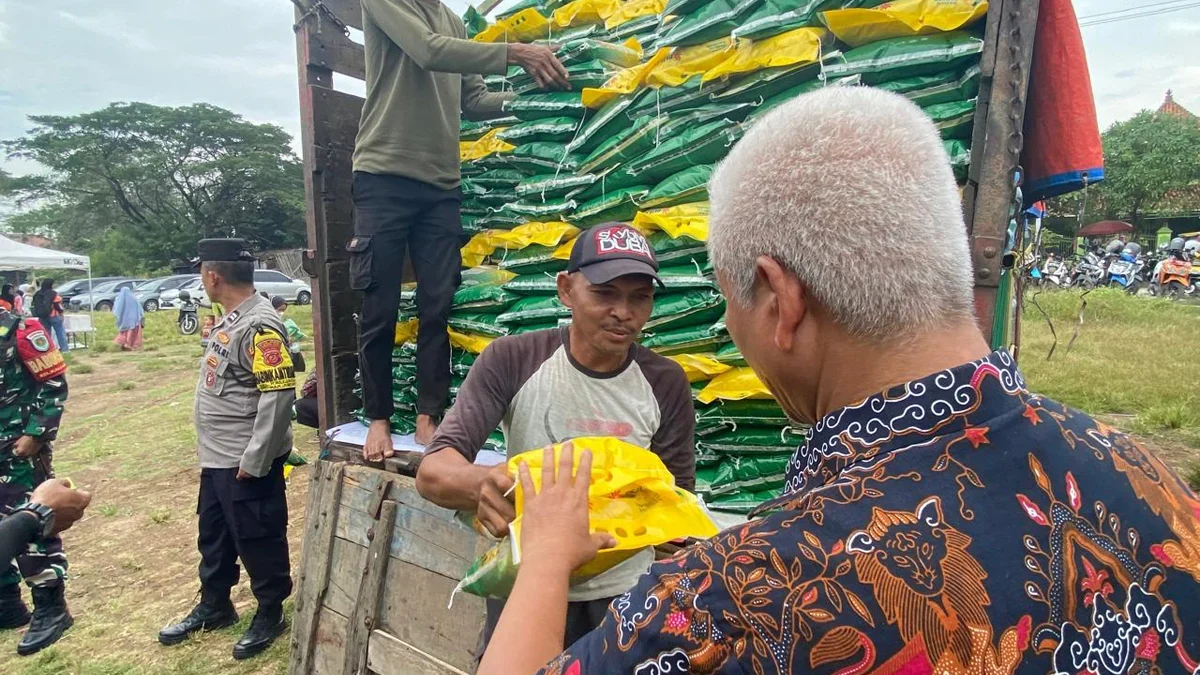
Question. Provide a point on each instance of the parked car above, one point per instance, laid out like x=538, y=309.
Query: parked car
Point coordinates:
x=273, y=282
x=170, y=297
x=149, y=293
x=101, y=298
x=73, y=288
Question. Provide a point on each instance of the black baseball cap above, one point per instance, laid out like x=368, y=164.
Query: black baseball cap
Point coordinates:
x=604, y=252
x=223, y=250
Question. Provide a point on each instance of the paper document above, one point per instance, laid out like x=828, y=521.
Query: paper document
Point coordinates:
x=355, y=433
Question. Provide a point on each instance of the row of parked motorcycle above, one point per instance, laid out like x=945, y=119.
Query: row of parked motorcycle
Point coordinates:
x=1172, y=271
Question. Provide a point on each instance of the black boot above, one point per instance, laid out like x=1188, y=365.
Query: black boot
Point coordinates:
x=13, y=612
x=212, y=613
x=264, y=628
x=50, y=620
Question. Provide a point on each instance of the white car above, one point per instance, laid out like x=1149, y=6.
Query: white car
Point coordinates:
x=170, y=297
x=273, y=283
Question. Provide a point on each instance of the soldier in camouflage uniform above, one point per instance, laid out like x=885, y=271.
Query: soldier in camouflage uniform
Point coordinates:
x=33, y=389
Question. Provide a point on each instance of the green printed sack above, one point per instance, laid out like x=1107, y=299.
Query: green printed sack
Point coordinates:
x=681, y=120
x=474, y=21
x=460, y=363
x=474, y=207
x=641, y=29
x=695, y=147
x=749, y=473
x=533, y=284
x=478, y=323
x=676, y=251
x=954, y=119
x=692, y=93
x=494, y=199
x=522, y=329
x=552, y=186
x=550, y=129
x=483, y=298
x=907, y=56
x=679, y=310
x=536, y=210
x=678, y=277
x=582, y=51
x=540, y=159
x=685, y=187
x=772, y=103
x=531, y=259
x=683, y=7
x=606, y=122
x=960, y=158
x=743, y=502
x=746, y=412
x=499, y=221
x=546, y=105
x=473, y=131
x=764, y=84
x=498, y=179
x=757, y=440
x=626, y=145
x=616, y=206
x=535, y=309
x=611, y=180
x=730, y=355
x=715, y=19
x=690, y=340
x=943, y=87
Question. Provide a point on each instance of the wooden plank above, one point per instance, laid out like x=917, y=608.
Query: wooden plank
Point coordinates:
x=335, y=118
x=366, y=610
x=320, y=524
x=329, y=643
x=345, y=576
x=334, y=181
x=418, y=538
x=415, y=610
x=332, y=50
x=349, y=11
x=387, y=655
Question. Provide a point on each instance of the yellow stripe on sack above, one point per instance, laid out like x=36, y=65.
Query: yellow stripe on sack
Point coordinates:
x=734, y=385
x=795, y=47
x=684, y=220
x=904, y=18
x=700, y=367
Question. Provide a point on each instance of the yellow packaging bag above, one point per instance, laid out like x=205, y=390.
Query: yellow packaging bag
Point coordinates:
x=734, y=385
x=469, y=341
x=684, y=220
x=624, y=82
x=544, y=234
x=480, y=247
x=489, y=143
x=406, y=331
x=632, y=496
x=526, y=25
x=632, y=9
x=700, y=367
x=684, y=62
x=583, y=12
x=903, y=18
x=795, y=47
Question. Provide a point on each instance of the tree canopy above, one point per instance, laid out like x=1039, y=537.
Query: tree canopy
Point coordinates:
x=1151, y=164
x=140, y=184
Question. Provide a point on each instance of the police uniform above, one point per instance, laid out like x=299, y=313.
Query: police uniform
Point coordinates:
x=243, y=414
x=33, y=389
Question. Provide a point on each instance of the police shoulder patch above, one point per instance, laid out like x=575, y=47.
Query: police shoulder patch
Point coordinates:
x=272, y=363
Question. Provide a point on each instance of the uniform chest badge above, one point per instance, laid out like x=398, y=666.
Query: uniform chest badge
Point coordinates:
x=38, y=339
x=223, y=337
x=212, y=361
x=210, y=379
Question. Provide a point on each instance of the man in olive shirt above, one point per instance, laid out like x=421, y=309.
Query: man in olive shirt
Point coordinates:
x=421, y=73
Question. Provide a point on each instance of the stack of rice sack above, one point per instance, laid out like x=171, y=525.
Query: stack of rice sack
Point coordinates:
x=660, y=92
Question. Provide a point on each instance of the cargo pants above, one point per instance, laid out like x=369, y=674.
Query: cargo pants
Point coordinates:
x=43, y=564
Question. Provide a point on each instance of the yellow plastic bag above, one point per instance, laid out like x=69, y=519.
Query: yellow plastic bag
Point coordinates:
x=526, y=25
x=583, y=12
x=406, y=331
x=700, y=367
x=544, y=234
x=624, y=82
x=489, y=143
x=904, y=18
x=734, y=385
x=684, y=62
x=684, y=220
x=632, y=496
x=795, y=47
x=628, y=11
x=480, y=247
x=469, y=341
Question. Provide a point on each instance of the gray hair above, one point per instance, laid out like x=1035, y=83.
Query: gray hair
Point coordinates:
x=850, y=189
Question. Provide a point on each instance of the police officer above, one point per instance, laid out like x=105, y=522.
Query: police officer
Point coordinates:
x=243, y=421
x=33, y=389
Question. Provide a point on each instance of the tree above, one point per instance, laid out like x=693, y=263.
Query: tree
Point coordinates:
x=1151, y=162
x=157, y=179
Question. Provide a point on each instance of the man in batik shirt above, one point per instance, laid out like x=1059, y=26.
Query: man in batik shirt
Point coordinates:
x=941, y=518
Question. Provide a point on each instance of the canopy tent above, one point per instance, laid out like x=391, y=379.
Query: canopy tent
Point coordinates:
x=17, y=256
x=1104, y=228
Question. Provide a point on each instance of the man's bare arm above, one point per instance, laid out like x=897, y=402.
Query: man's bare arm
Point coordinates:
x=447, y=479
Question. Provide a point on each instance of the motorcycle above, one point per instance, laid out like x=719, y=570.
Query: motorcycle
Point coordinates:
x=189, y=314
x=1123, y=272
x=1054, y=272
x=1173, y=275
x=1089, y=270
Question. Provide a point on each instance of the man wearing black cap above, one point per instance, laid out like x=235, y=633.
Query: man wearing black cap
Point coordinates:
x=587, y=379
x=243, y=423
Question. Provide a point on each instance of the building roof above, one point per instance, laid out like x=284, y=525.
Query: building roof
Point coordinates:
x=1170, y=107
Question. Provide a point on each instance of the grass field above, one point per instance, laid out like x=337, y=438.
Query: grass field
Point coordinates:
x=128, y=436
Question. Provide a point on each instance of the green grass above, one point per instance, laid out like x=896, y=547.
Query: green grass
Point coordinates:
x=1132, y=362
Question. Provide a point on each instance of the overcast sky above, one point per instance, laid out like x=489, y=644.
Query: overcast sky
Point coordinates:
x=69, y=56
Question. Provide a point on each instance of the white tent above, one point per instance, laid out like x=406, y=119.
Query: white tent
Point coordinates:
x=17, y=256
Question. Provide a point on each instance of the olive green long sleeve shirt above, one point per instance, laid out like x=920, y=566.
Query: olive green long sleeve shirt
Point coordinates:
x=421, y=73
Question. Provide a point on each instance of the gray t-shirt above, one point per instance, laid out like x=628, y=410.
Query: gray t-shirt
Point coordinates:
x=537, y=393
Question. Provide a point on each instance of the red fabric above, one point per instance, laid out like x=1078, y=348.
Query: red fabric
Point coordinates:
x=130, y=339
x=1062, y=136
x=37, y=351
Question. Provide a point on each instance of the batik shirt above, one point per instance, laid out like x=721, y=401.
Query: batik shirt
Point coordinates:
x=955, y=524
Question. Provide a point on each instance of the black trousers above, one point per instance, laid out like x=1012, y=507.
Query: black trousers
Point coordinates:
x=244, y=519
x=582, y=618
x=391, y=215
x=306, y=411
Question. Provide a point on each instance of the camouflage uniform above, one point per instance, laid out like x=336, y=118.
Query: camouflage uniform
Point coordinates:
x=33, y=389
